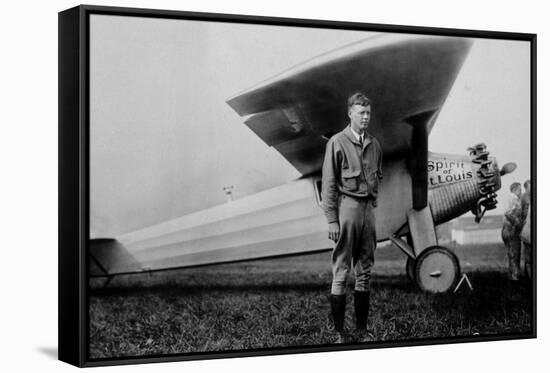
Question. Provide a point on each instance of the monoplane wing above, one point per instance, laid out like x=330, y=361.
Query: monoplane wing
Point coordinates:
x=408, y=78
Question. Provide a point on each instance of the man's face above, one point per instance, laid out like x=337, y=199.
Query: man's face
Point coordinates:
x=359, y=116
x=517, y=191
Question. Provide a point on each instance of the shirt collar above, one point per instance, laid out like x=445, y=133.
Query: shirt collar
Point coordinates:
x=353, y=137
x=357, y=136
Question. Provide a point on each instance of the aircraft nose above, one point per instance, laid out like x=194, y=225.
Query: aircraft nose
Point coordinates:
x=488, y=179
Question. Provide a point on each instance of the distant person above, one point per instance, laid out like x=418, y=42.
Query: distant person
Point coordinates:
x=526, y=244
x=525, y=235
x=525, y=199
x=511, y=228
x=351, y=172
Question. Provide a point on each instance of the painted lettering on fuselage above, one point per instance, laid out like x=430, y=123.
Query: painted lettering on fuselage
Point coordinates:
x=448, y=170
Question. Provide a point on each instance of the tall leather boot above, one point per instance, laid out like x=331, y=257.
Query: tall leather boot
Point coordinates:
x=362, y=303
x=338, y=310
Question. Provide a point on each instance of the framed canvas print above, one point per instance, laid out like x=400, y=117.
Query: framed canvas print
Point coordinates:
x=235, y=186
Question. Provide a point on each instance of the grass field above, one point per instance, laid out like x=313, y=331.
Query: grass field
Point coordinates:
x=283, y=303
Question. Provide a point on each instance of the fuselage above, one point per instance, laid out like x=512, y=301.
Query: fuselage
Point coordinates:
x=288, y=219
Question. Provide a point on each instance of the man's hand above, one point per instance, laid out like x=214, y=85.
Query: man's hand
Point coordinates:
x=334, y=231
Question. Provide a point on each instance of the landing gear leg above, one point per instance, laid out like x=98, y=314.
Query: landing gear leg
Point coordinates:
x=436, y=269
x=411, y=269
x=411, y=262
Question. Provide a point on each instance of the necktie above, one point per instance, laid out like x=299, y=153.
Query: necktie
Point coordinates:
x=361, y=140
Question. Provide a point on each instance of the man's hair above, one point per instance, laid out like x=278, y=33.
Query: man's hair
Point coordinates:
x=514, y=186
x=358, y=98
x=527, y=183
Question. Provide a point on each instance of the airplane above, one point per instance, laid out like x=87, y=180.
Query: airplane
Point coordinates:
x=408, y=78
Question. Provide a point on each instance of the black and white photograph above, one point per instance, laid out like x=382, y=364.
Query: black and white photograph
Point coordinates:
x=286, y=186
x=263, y=187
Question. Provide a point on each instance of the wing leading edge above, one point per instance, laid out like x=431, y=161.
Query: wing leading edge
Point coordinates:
x=407, y=77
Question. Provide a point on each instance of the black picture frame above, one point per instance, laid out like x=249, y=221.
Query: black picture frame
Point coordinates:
x=74, y=177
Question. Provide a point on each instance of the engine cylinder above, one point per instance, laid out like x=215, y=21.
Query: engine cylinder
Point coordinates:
x=452, y=200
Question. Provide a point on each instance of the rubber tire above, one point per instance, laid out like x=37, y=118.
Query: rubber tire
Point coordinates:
x=437, y=270
x=411, y=269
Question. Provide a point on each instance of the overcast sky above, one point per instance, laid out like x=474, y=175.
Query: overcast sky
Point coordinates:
x=164, y=142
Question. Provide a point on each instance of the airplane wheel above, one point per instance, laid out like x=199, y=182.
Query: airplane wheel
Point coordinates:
x=411, y=265
x=437, y=270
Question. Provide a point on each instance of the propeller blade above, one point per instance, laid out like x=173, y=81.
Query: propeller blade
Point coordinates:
x=508, y=168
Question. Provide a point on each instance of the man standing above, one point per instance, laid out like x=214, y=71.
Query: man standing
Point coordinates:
x=511, y=228
x=525, y=199
x=351, y=172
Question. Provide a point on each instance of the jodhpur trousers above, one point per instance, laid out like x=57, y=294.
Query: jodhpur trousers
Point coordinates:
x=355, y=245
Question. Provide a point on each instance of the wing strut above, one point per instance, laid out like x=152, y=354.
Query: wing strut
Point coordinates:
x=418, y=161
